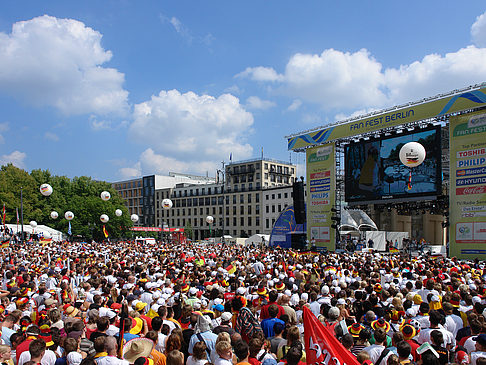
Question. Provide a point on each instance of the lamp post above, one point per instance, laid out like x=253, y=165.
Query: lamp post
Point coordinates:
x=210, y=220
x=224, y=198
x=166, y=205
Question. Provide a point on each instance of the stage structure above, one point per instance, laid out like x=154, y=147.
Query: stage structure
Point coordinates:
x=356, y=162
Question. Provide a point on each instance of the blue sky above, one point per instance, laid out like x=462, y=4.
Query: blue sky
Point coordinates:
x=119, y=89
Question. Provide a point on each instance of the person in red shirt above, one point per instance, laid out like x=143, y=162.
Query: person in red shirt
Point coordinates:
x=409, y=333
x=272, y=299
x=32, y=333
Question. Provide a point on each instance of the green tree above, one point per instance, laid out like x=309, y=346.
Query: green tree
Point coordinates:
x=188, y=231
x=80, y=195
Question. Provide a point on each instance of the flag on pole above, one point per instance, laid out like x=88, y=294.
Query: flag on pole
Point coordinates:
x=69, y=229
x=3, y=214
x=231, y=157
x=321, y=346
x=17, y=211
x=105, y=232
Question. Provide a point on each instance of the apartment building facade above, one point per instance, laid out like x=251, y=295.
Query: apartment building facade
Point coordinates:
x=237, y=202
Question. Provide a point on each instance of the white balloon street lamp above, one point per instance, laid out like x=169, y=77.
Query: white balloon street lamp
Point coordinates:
x=210, y=220
x=412, y=154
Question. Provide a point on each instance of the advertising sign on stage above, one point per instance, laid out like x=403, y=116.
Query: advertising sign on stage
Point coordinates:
x=468, y=185
x=321, y=183
x=398, y=116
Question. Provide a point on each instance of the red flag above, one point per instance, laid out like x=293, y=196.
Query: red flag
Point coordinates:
x=321, y=346
x=17, y=211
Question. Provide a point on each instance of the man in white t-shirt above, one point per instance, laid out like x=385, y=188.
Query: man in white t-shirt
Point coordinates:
x=480, y=348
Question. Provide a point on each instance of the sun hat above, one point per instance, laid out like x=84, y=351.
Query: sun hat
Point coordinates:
x=408, y=332
x=140, y=306
x=380, y=323
x=137, y=347
x=355, y=329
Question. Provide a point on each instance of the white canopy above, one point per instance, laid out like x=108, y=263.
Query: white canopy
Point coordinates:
x=258, y=239
x=41, y=230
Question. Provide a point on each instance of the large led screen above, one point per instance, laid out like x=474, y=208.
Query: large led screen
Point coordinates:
x=374, y=173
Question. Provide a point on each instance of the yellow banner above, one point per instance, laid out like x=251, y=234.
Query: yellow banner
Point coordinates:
x=467, y=100
x=467, y=212
x=321, y=185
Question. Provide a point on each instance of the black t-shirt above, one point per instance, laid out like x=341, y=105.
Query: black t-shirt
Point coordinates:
x=443, y=354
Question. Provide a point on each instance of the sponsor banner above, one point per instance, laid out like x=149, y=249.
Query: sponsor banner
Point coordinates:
x=321, y=195
x=156, y=229
x=471, y=181
x=472, y=162
x=467, y=210
x=471, y=172
x=284, y=228
x=451, y=104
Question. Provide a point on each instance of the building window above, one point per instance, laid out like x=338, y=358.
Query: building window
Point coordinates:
x=279, y=208
x=266, y=175
x=279, y=195
x=234, y=199
x=257, y=198
x=267, y=223
x=242, y=209
x=234, y=209
x=249, y=198
x=257, y=209
x=267, y=209
x=234, y=221
x=249, y=209
x=242, y=198
x=249, y=221
x=266, y=197
x=286, y=195
x=273, y=208
x=257, y=221
x=265, y=166
x=227, y=222
x=227, y=210
x=273, y=196
x=242, y=221
x=227, y=199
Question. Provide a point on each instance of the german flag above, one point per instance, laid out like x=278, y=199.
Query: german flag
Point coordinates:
x=231, y=269
x=105, y=232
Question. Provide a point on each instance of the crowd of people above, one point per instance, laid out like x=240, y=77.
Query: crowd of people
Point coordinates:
x=121, y=303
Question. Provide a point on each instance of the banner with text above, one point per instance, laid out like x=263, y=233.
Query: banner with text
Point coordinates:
x=467, y=212
x=397, y=116
x=320, y=188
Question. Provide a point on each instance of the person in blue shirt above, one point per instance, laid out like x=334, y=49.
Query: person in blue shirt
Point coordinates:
x=267, y=324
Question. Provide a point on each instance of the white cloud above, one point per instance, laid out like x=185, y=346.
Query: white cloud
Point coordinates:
x=131, y=172
x=51, y=136
x=16, y=158
x=345, y=81
x=47, y=61
x=296, y=104
x=190, y=132
x=260, y=74
x=254, y=102
x=3, y=128
x=478, y=31
x=184, y=31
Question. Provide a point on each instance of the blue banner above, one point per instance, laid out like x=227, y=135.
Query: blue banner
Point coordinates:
x=284, y=227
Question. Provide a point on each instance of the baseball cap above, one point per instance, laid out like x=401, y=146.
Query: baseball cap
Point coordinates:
x=219, y=307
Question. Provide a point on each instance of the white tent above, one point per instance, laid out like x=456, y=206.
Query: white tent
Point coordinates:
x=258, y=239
x=41, y=230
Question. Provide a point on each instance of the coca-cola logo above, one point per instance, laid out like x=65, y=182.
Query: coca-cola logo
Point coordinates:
x=471, y=190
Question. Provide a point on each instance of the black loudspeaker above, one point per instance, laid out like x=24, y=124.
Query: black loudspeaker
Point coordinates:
x=297, y=241
x=299, y=203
